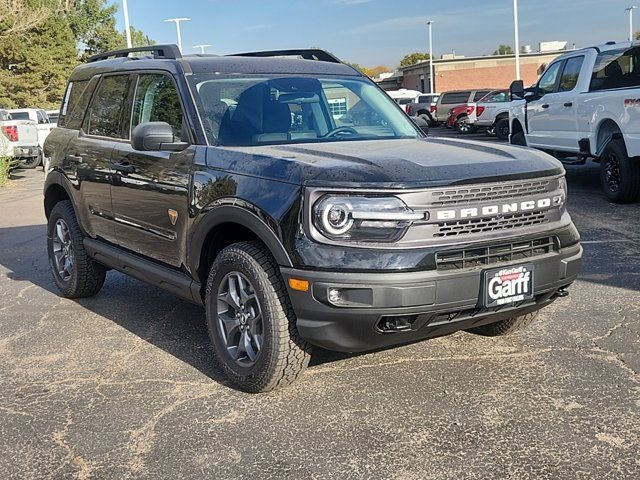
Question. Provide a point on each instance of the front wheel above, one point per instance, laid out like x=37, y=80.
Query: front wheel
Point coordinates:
x=251, y=322
x=518, y=138
x=505, y=327
x=619, y=174
x=502, y=129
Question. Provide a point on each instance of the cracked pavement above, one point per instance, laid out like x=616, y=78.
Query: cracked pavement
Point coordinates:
x=121, y=386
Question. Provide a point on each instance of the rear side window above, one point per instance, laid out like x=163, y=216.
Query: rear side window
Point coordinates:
x=20, y=116
x=75, y=103
x=480, y=94
x=105, y=115
x=570, y=74
x=616, y=69
x=157, y=100
x=455, y=98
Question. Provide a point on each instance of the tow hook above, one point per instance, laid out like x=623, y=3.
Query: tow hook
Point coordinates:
x=562, y=292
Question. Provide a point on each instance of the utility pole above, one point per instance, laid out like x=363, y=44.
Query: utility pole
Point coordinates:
x=127, y=27
x=431, y=79
x=177, y=22
x=630, y=10
x=202, y=48
x=517, y=34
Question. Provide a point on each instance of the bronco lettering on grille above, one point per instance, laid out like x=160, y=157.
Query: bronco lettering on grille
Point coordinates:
x=505, y=208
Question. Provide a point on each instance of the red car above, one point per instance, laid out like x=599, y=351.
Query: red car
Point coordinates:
x=459, y=119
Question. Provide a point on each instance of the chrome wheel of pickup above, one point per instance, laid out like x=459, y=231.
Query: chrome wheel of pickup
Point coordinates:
x=63, y=250
x=240, y=319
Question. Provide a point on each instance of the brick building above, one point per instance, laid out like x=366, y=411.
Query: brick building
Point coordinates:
x=473, y=72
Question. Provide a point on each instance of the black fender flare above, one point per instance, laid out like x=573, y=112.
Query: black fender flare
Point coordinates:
x=241, y=216
x=55, y=177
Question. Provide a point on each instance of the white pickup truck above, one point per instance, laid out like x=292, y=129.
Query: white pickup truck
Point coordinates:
x=19, y=139
x=39, y=117
x=587, y=105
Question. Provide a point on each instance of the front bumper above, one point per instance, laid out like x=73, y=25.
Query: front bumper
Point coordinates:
x=436, y=302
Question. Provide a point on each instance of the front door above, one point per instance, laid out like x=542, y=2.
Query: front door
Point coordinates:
x=151, y=203
x=541, y=110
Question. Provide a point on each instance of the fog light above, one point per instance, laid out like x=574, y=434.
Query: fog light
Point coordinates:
x=334, y=295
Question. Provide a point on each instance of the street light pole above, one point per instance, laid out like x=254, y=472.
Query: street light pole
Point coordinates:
x=630, y=10
x=430, y=24
x=202, y=48
x=517, y=39
x=127, y=27
x=177, y=22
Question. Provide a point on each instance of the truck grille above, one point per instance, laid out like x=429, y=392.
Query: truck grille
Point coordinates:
x=507, y=252
x=461, y=196
x=491, y=224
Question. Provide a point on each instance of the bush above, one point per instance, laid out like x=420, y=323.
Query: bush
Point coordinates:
x=6, y=165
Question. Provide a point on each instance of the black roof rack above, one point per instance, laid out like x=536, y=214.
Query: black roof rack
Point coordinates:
x=170, y=52
x=307, y=54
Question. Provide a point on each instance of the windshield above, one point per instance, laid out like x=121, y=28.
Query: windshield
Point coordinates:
x=20, y=115
x=262, y=111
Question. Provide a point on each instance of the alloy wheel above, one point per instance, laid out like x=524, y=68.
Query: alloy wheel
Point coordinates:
x=612, y=173
x=63, y=250
x=239, y=319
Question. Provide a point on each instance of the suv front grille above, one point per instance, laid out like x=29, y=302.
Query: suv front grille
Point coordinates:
x=483, y=256
x=461, y=196
x=491, y=224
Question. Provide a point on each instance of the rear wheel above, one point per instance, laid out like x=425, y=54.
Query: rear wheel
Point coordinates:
x=74, y=272
x=251, y=322
x=31, y=162
x=505, y=327
x=619, y=174
x=463, y=126
x=502, y=129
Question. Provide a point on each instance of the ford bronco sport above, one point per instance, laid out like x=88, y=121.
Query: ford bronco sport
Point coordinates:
x=299, y=205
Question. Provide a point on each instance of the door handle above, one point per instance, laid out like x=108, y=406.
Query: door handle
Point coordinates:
x=124, y=167
x=74, y=158
x=546, y=105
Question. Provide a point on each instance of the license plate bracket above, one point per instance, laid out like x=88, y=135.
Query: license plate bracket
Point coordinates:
x=507, y=285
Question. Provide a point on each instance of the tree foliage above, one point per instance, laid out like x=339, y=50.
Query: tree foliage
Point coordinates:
x=41, y=41
x=637, y=35
x=413, y=58
x=504, y=50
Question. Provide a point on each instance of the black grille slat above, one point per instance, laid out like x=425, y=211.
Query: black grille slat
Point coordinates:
x=462, y=196
x=491, y=224
x=495, y=254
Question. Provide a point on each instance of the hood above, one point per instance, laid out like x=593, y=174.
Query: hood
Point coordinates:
x=410, y=163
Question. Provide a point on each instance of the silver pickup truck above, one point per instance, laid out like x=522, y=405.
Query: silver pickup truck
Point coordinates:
x=19, y=139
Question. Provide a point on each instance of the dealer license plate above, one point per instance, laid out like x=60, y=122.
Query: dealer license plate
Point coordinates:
x=504, y=286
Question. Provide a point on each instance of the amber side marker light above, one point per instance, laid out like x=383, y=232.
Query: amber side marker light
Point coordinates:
x=299, y=285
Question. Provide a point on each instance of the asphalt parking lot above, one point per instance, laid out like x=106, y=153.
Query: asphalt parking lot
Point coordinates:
x=121, y=386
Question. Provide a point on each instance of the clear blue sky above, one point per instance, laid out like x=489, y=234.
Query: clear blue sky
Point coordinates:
x=373, y=32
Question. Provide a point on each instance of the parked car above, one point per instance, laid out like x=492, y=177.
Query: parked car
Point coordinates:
x=424, y=106
x=39, y=117
x=586, y=105
x=448, y=100
x=492, y=113
x=462, y=119
x=19, y=139
x=313, y=212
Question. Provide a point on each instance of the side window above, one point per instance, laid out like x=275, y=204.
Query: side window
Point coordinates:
x=455, y=97
x=480, y=94
x=547, y=83
x=75, y=102
x=105, y=115
x=570, y=74
x=616, y=69
x=157, y=100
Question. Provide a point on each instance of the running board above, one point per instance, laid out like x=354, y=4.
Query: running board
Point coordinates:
x=149, y=272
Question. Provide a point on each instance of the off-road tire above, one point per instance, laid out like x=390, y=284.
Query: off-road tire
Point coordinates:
x=629, y=173
x=505, y=327
x=518, y=138
x=502, y=129
x=88, y=276
x=284, y=355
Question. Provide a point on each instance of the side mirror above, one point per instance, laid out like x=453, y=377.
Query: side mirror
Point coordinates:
x=516, y=90
x=155, y=137
x=421, y=123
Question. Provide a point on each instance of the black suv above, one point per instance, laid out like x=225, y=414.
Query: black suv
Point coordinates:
x=295, y=201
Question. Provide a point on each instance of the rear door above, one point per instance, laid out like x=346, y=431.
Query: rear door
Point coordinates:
x=89, y=155
x=151, y=203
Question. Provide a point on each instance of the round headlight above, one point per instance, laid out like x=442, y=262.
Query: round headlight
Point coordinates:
x=336, y=218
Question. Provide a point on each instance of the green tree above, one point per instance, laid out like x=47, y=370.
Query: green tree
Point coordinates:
x=503, y=50
x=413, y=58
x=637, y=35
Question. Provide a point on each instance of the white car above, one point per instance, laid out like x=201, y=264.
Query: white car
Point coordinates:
x=587, y=104
x=492, y=112
x=40, y=118
x=19, y=139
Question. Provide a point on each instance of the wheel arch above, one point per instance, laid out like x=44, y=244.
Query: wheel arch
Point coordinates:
x=225, y=225
x=607, y=130
x=516, y=127
x=55, y=191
